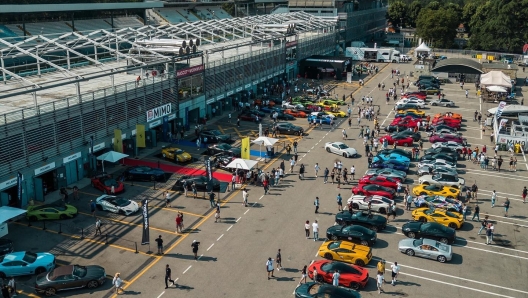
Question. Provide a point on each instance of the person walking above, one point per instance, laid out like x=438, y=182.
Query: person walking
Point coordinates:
x=194, y=190
x=179, y=221
x=474, y=190
x=278, y=260
x=159, y=241
x=494, y=198
x=339, y=202
x=303, y=275
x=212, y=199
x=307, y=229
x=98, y=226
x=488, y=235
x=292, y=164
x=167, y=199
x=524, y=193
x=301, y=171
x=269, y=268
x=395, y=270
x=326, y=172
x=117, y=282
x=245, y=196
x=491, y=227
x=315, y=229
x=316, y=203
x=295, y=147
x=381, y=267
x=408, y=202
x=11, y=285
x=484, y=224
x=92, y=207
x=168, y=277
x=464, y=211
x=379, y=282
x=195, y=244
x=217, y=213
x=316, y=168
x=353, y=172
x=476, y=213
x=506, y=206
x=335, y=278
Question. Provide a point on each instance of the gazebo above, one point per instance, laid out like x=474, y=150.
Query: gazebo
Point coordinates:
x=423, y=49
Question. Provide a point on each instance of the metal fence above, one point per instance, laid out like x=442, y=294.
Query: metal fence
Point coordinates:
x=468, y=53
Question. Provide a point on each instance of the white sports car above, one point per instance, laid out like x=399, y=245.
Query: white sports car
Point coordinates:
x=378, y=203
x=437, y=163
x=419, y=103
x=451, y=145
x=442, y=179
x=116, y=205
x=288, y=105
x=340, y=148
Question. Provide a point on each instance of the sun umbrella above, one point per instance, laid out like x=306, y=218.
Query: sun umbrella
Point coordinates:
x=111, y=156
x=264, y=141
x=244, y=164
x=496, y=89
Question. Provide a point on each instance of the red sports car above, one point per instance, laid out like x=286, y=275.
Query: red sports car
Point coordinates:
x=399, y=140
x=407, y=121
x=247, y=117
x=418, y=94
x=351, y=276
x=380, y=180
x=374, y=189
x=451, y=122
x=446, y=138
x=105, y=182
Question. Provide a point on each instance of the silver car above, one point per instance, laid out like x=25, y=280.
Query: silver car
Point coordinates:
x=442, y=102
x=390, y=173
x=425, y=170
x=426, y=248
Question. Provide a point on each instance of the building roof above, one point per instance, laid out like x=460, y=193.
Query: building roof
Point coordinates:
x=464, y=64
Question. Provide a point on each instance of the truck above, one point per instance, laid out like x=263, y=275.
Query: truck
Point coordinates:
x=373, y=54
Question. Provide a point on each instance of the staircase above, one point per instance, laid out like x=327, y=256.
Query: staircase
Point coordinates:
x=153, y=14
x=25, y=31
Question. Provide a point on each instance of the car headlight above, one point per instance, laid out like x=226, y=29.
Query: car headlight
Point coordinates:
x=406, y=229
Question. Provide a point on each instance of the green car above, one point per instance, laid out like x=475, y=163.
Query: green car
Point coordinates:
x=56, y=210
x=330, y=102
x=312, y=289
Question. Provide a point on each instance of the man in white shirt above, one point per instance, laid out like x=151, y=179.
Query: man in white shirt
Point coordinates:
x=335, y=278
x=379, y=282
x=315, y=229
x=316, y=169
x=395, y=270
x=269, y=267
x=352, y=172
x=245, y=196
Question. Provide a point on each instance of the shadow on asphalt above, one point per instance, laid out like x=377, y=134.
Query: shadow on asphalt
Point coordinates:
x=191, y=257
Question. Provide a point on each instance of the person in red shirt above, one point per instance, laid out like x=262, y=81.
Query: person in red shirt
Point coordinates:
x=265, y=184
x=469, y=151
x=464, y=152
x=484, y=149
x=179, y=220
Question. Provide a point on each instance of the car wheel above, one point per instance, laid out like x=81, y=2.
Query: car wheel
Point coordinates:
x=423, y=193
x=354, y=285
x=298, y=133
x=360, y=262
x=328, y=256
x=99, y=207
x=425, y=183
x=374, y=228
x=40, y=270
x=409, y=252
x=444, y=240
x=364, y=243
x=422, y=219
x=63, y=216
x=50, y=292
x=320, y=279
x=92, y=284
x=382, y=210
x=335, y=238
x=355, y=206
x=433, y=104
x=405, y=145
x=328, y=150
x=452, y=225
x=121, y=212
x=411, y=235
x=441, y=259
x=345, y=155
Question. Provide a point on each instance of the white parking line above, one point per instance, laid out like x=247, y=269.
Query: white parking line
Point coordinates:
x=220, y=237
x=229, y=228
x=210, y=247
x=161, y=294
x=246, y=212
x=238, y=219
x=253, y=205
x=200, y=256
x=187, y=269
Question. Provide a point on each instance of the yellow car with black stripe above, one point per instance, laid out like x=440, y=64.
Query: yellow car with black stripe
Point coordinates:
x=336, y=113
x=175, y=154
x=436, y=190
x=447, y=218
x=332, y=107
x=345, y=251
x=413, y=111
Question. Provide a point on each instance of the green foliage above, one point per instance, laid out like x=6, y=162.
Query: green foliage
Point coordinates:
x=412, y=13
x=433, y=5
x=438, y=26
x=396, y=13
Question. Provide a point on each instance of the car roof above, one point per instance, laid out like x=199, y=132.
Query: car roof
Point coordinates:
x=18, y=255
x=63, y=270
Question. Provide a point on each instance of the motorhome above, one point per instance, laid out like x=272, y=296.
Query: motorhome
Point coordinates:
x=373, y=54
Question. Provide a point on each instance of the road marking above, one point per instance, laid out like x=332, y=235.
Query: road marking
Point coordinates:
x=161, y=294
x=253, y=205
x=210, y=247
x=127, y=222
x=229, y=228
x=246, y=212
x=309, y=151
x=316, y=254
x=304, y=155
x=187, y=269
x=220, y=237
x=311, y=148
x=238, y=219
x=200, y=256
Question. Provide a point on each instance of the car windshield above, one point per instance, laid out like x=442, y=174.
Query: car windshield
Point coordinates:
x=178, y=152
x=343, y=146
x=450, y=214
x=121, y=202
x=29, y=257
x=215, y=132
x=437, y=177
x=442, y=246
x=110, y=182
x=225, y=146
x=334, y=245
x=417, y=243
x=327, y=267
x=143, y=169
x=79, y=271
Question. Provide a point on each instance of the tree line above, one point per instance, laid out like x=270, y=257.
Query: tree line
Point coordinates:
x=492, y=25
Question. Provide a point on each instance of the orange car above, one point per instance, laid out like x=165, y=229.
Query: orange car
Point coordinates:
x=448, y=115
x=296, y=114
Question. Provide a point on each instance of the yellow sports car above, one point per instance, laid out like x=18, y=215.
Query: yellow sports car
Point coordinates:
x=414, y=111
x=332, y=107
x=336, y=113
x=441, y=216
x=436, y=190
x=345, y=251
x=175, y=154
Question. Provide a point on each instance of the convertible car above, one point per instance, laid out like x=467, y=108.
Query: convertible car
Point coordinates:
x=362, y=218
x=351, y=276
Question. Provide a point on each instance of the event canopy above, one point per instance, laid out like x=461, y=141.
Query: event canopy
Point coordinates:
x=495, y=78
x=244, y=164
x=111, y=156
x=496, y=89
x=265, y=141
x=422, y=49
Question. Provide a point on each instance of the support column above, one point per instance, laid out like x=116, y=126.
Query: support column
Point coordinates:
x=38, y=63
x=68, y=58
x=3, y=73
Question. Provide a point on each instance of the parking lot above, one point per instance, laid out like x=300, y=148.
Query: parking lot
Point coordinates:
x=234, y=251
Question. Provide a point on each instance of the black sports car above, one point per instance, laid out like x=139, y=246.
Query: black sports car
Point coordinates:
x=224, y=148
x=434, y=156
x=394, y=128
x=282, y=116
x=406, y=133
x=215, y=136
x=199, y=180
x=356, y=234
x=397, y=151
x=315, y=290
x=430, y=230
x=444, y=150
x=287, y=128
x=6, y=246
x=70, y=277
x=221, y=160
x=144, y=173
x=373, y=222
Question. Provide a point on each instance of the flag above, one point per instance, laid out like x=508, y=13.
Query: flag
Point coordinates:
x=145, y=239
x=118, y=142
x=209, y=173
x=500, y=108
x=140, y=136
x=245, y=148
x=19, y=188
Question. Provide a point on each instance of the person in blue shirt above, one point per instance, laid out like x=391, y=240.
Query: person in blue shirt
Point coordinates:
x=339, y=203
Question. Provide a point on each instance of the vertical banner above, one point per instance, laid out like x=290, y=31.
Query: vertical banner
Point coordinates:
x=140, y=136
x=91, y=145
x=145, y=239
x=245, y=148
x=19, y=188
x=165, y=128
x=209, y=173
x=260, y=130
x=118, y=142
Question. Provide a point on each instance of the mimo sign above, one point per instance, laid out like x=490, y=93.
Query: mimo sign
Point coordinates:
x=159, y=112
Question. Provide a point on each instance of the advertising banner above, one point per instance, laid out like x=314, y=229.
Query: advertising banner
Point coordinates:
x=245, y=148
x=209, y=173
x=145, y=239
x=118, y=142
x=140, y=136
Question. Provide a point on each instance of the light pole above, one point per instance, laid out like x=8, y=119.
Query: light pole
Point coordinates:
x=403, y=37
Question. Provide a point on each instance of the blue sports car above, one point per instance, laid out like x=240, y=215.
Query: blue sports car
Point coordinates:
x=144, y=173
x=320, y=119
x=391, y=164
x=391, y=156
x=25, y=263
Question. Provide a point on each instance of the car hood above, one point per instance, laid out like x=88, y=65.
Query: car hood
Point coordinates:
x=334, y=230
x=132, y=207
x=351, y=150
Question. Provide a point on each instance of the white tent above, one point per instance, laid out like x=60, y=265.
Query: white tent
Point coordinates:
x=496, y=89
x=423, y=49
x=244, y=164
x=264, y=141
x=495, y=78
x=111, y=156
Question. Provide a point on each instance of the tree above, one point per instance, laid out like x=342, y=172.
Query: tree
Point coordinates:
x=412, y=13
x=467, y=12
x=433, y=5
x=396, y=13
x=438, y=26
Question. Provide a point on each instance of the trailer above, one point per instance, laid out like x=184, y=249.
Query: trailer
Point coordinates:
x=373, y=54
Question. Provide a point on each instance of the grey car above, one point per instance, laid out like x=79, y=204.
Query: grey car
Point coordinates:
x=424, y=170
x=426, y=248
x=391, y=173
x=442, y=102
x=69, y=277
